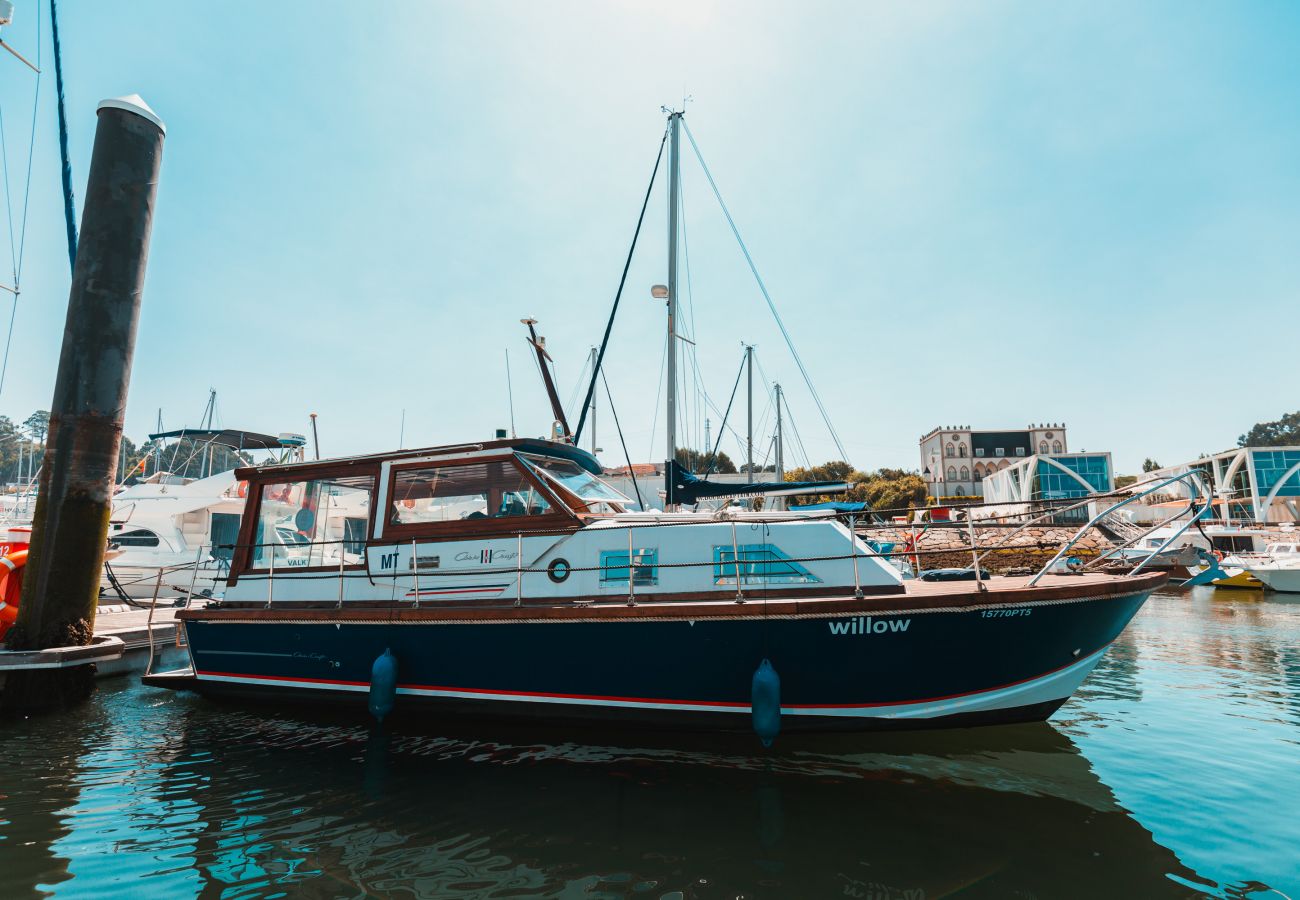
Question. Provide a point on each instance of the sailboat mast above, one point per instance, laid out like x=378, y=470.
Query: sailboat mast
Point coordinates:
x=674, y=182
x=594, y=448
x=779, y=502
x=749, y=419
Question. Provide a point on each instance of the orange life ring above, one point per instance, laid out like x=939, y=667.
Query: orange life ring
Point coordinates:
x=243, y=488
x=11, y=587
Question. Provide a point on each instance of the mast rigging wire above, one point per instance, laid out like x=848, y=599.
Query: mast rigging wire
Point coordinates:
x=17, y=259
x=659, y=387
x=626, y=456
x=722, y=429
x=609, y=326
x=766, y=296
x=510, y=393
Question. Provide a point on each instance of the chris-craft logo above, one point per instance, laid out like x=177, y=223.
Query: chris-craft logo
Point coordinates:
x=485, y=556
x=869, y=625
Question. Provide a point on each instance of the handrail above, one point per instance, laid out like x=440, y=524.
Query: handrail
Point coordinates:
x=1199, y=487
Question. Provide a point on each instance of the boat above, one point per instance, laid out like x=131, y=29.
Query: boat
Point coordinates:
x=174, y=533
x=1210, y=553
x=506, y=579
x=1277, y=568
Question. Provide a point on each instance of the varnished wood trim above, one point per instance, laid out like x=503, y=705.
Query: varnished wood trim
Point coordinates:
x=718, y=605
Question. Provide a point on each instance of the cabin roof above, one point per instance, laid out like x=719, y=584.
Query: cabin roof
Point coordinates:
x=521, y=445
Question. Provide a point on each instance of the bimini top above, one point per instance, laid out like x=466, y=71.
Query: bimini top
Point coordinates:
x=240, y=440
x=521, y=445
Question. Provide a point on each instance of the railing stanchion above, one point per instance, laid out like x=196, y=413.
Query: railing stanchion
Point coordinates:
x=148, y=626
x=974, y=552
x=194, y=579
x=853, y=550
x=343, y=548
x=735, y=554
x=415, y=567
x=631, y=587
x=519, y=568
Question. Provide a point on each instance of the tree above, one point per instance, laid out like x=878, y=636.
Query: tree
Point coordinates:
x=1283, y=432
x=1123, y=481
x=883, y=489
x=38, y=425
x=697, y=461
x=1150, y=465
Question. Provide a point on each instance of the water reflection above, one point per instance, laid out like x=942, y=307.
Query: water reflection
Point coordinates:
x=1185, y=738
x=232, y=803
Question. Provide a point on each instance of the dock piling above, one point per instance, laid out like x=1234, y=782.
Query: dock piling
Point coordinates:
x=70, y=527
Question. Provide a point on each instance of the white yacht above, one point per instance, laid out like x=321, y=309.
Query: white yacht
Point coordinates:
x=1278, y=567
x=164, y=528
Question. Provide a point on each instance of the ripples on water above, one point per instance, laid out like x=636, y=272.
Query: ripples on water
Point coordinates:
x=1174, y=773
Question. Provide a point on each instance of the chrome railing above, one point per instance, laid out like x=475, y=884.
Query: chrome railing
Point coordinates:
x=1194, y=482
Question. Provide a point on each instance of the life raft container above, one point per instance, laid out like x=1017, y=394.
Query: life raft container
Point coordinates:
x=11, y=587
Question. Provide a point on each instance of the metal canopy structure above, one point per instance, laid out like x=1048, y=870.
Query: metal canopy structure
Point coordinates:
x=239, y=440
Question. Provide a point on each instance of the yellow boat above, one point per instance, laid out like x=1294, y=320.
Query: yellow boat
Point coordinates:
x=1238, y=579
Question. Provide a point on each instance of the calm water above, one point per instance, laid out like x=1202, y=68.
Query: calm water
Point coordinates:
x=1174, y=773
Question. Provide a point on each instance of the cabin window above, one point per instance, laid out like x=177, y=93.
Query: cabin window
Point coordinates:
x=759, y=563
x=614, y=567
x=302, y=524
x=138, y=537
x=354, y=535
x=576, y=479
x=224, y=535
x=1232, y=543
x=488, y=490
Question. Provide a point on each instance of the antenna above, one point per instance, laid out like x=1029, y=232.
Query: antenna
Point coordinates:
x=510, y=392
x=560, y=427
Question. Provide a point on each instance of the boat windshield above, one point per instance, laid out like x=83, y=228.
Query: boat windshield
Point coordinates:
x=575, y=478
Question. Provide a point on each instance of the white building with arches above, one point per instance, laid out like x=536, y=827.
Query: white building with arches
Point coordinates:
x=956, y=460
x=1025, y=484
x=1259, y=484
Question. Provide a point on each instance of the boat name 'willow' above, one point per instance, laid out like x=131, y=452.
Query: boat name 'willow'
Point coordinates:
x=867, y=625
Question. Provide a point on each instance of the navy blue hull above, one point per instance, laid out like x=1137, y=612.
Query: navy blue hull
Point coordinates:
x=910, y=669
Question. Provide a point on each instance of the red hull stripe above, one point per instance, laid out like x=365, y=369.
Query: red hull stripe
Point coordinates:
x=430, y=592
x=647, y=700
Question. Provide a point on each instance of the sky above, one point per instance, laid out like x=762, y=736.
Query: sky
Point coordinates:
x=988, y=214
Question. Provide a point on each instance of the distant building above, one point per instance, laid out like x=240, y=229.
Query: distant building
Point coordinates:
x=1260, y=484
x=955, y=461
x=1024, y=484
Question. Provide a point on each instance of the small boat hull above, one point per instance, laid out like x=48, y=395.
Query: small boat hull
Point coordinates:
x=901, y=664
x=1283, y=579
x=1238, y=579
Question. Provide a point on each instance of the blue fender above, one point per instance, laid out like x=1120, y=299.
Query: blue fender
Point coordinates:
x=765, y=703
x=383, y=684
